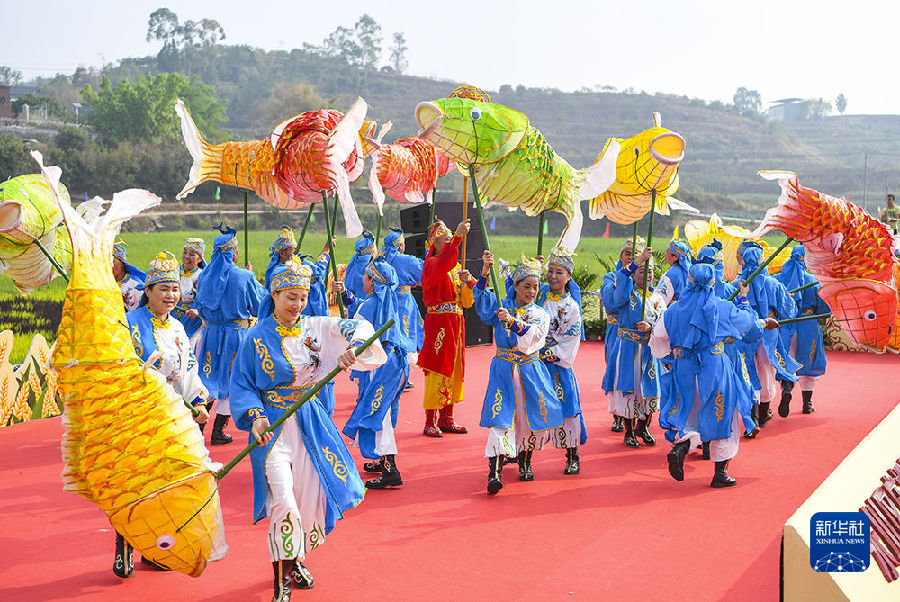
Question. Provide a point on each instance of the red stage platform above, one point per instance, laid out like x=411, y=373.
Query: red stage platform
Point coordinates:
x=621, y=528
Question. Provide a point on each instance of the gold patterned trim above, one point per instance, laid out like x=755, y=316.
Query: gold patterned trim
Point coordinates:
x=632, y=335
x=612, y=318
x=340, y=471
x=404, y=289
x=498, y=404
x=515, y=357
x=268, y=366
x=284, y=402
x=445, y=308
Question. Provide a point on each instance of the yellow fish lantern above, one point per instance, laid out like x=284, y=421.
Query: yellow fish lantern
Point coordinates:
x=647, y=161
x=130, y=446
x=700, y=233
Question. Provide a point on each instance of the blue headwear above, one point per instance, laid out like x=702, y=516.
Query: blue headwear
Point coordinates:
x=759, y=292
x=212, y=281
x=120, y=252
x=627, y=246
x=747, y=244
x=365, y=248
x=683, y=252
x=793, y=272
x=714, y=256
x=698, y=300
x=197, y=246
x=385, y=294
x=392, y=244
x=521, y=271
x=163, y=268
x=565, y=259
x=284, y=240
x=284, y=278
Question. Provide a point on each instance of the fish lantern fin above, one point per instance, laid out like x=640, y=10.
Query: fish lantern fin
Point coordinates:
x=601, y=175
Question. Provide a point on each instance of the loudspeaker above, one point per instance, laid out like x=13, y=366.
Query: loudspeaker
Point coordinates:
x=415, y=219
x=415, y=244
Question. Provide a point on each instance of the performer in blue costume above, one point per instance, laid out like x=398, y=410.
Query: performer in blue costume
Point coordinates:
x=192, y=264
x=632, y=373
x=161, y=342
x=281, y=253
x=304, y=478
x=372, y=423
x=678, y=256
x=130, y=279
x=409, y=274
x=520, y=402
x=228, y=299
x=803, y=340
x=607, y=289
x=364, y=250
x=707, y=389
x=562, y=302
x=768, y=357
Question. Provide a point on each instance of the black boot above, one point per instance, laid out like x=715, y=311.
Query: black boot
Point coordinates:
x=807, y=402
x=495, y=470
x=676, y=459
x=765, y=414
x=784, y=408
x=572, y=463
x=643, y=430
x=300, y=575
x=123, y=565
x=390, y=476
x=720, y=477
x=282, y=570
x=705, y=455
x=218, y=437
x=630, y=439
x=376, y=466
x=525, y=472
x=618, y=424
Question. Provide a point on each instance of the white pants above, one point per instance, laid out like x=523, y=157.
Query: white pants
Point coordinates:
x=766, y=373
x=567, y=435
x=222, y=406
x=385, y=443
x=719, y=449
x=295, y=498
x=631, y=405
x=807, y=383
x=510, y=441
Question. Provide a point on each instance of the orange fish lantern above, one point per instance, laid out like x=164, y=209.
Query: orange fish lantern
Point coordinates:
x=305, y=156
x=849, y=252
x=406, y=170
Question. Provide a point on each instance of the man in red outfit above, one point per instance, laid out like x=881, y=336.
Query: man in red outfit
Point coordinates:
x=446, y=290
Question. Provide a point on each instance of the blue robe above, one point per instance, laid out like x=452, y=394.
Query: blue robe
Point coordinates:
x=226, y=327
x=542, y=406
x=409, y=274
x=810, y=350
x=607, y=290
x=318, y=288
x=265, y=380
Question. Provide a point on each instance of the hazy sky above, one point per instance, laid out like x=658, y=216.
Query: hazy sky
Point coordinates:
x=781, y=48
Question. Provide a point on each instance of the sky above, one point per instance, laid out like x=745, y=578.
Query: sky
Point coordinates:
x=702, y=49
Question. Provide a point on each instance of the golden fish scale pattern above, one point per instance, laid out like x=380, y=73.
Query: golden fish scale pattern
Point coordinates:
x=92, y=329
x=189, y=511
x=241, y=162
x=122, y=444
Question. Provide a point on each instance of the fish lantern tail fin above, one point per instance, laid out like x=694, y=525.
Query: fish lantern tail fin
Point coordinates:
x=793, y=213
x=207, y=157
x=342, y=141
x=601, y=175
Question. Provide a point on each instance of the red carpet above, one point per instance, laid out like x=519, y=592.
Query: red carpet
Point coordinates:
x=621, y=528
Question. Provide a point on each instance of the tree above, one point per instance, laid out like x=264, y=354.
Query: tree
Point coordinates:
x=181, y=40
x=289, y=99
x=163, y=25
x=342, y=43
x=747, y=102
x=10, y=76
x=142, y=110
x=841, y=103
x=398, y=53
x=368, y=36
x=819, y=108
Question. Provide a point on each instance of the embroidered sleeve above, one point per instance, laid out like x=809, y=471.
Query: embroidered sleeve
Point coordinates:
x=254, y=413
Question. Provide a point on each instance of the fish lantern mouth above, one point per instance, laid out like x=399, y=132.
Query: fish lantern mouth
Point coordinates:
x=10, y=215
x=429, y=116
x=165, y=542
x=667, y=148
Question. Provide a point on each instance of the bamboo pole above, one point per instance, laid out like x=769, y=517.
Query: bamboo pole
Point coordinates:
x=47, y=254
x=649, y=242
x=305, y=225
x=333, y=261
x=762, y=266
x=484, y=234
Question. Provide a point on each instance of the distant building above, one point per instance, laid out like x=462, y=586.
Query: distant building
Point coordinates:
x=788, y=109
x=17, y=91
x=5, y=103
x=80, y=110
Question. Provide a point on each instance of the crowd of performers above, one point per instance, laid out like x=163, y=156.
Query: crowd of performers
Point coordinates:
x=705, y=357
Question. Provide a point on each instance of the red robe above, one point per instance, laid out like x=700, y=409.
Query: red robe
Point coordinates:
x=444, y=328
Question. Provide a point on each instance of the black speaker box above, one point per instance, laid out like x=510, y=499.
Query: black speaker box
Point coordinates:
x=414, y=220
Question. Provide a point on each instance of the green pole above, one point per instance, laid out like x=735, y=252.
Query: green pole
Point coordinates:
x=246, y=233
x=804, y=287
x=296, y=405
x=803, y=318
x=633, y=241
x=305, y=225
x=543, y=221
x=47, y=254
x=333, y=261
x=649, y=242
x=761, y=267
x=333, y=215
x=484, y=234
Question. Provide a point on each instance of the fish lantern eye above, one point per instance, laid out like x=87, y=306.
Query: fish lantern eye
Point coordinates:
x=476, y=114
x=165, y=542
x=870, y=315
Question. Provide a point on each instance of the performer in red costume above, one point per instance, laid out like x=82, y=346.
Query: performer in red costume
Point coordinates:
x=446, y=290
